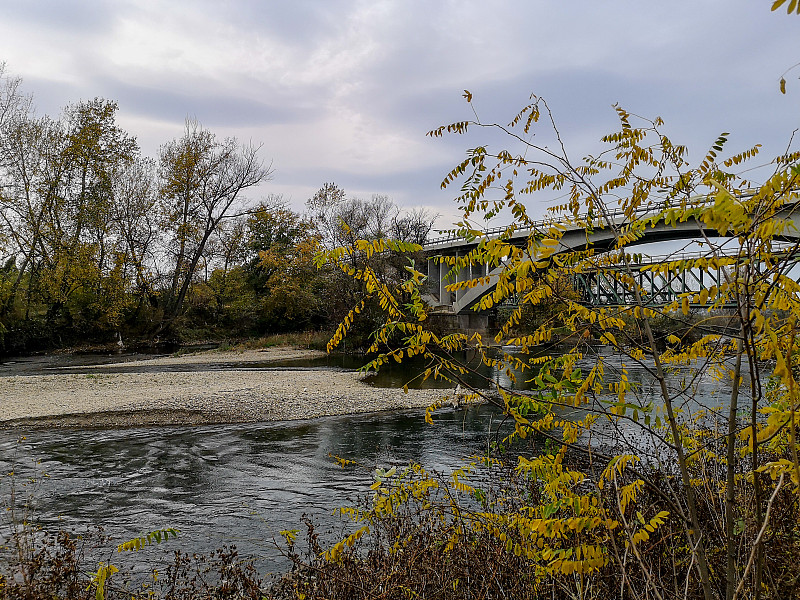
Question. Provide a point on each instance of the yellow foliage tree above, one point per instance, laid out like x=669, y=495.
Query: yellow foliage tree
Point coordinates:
x=696, y=484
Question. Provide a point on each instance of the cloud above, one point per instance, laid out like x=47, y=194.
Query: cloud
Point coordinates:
x=345, y=90
x=73, y=16
x=214, y=108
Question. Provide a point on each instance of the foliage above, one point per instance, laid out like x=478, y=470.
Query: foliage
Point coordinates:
x=482, y=532
x=312, y=340
x=532, y=317
x=153, y=537
x=790, y=8
x=357, y=231
x=59, y=566
x=283, y=270
x=100, y=243
x=705, y=468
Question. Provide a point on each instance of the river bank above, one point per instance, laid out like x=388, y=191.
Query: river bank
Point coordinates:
x=220, y=394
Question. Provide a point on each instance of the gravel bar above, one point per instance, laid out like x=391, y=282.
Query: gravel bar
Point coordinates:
x=197, y=397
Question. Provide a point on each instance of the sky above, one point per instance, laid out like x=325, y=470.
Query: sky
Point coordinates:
x=344, y=91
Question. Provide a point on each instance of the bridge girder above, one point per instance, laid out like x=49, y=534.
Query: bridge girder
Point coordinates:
x=600, y=239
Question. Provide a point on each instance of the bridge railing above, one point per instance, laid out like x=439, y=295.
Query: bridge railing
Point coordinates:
x=597, y=221
x=643, y=260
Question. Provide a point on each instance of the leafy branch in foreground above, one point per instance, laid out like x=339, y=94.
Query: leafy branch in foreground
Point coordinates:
x=676, y=494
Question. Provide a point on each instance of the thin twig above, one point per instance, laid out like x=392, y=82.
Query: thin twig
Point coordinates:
x=758, y=537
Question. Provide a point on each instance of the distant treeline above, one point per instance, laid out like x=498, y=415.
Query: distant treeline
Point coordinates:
x=98, y=242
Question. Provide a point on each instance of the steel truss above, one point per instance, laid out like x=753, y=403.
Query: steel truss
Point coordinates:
x=615, y=286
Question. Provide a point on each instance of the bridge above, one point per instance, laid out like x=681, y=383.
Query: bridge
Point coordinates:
x=595, y=287
x=612, y=285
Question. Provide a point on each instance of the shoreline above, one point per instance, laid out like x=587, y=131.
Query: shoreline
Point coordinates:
x=218, y=395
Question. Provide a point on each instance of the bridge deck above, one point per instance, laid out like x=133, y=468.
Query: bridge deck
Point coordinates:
x=576, y=237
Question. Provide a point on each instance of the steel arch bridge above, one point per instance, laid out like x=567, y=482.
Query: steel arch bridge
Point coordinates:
x=614, y=285
x=594, y=287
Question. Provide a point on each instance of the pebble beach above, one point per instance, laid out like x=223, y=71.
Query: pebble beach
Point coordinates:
x=219, y=395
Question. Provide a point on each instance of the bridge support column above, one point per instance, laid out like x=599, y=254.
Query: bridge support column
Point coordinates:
x=464, y=274
x=434, y=278
x=437, y=282
x=473, y=322
x=444, y=295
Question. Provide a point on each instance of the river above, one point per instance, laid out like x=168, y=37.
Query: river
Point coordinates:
x=231, y=484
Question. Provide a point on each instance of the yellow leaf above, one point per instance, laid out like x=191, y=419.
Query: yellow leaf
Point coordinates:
x=611, y=339
x=780, y=368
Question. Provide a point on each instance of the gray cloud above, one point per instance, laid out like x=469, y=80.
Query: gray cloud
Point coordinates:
x=300, y=22
x=214, y=107
x=345, y=90
x=80, y=17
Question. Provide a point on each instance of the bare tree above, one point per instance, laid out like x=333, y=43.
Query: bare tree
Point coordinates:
x=136, y=224
x=413, y=226
x=202, y=180
x=342, y=222
x=13, y=102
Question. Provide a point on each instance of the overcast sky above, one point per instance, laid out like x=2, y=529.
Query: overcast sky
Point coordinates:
x=345, y=90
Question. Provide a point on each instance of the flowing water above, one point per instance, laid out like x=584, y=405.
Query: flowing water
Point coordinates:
x=233, y=484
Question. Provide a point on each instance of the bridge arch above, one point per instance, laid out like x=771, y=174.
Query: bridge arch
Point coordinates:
x=600, y=238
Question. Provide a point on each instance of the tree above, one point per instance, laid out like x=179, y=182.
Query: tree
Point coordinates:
x=15, y=114
x=84, y=255
x=14, y=105
x=134, y=218
x=202, y=181
x=323, y=207
x=282, y=269
x=93, y=236
x=645, y=509
x=29, y=151
x=272, y=226
x=58, y=204
x=344, y=222
x=231, y=298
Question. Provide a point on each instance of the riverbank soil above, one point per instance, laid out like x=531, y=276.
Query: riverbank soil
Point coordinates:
x=217, y=387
